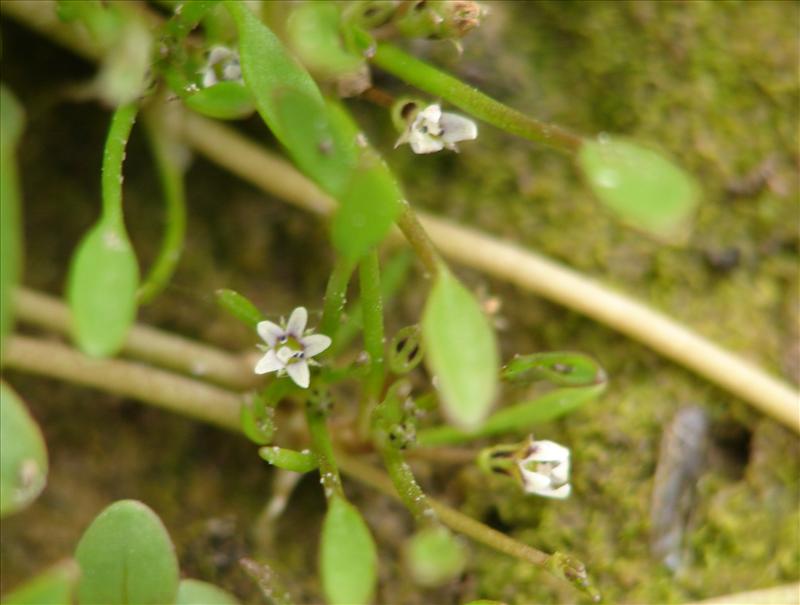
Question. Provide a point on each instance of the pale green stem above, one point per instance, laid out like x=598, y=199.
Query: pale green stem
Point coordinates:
x=372, y=317
x=405, y=484
x=175, y=220
x=335, y=297
x=428, y=78
x=113, y=157
x=323, y=450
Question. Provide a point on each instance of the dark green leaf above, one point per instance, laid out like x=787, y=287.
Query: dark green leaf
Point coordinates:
x=434, y=556
x=52, y=587
x=461, y=352
x=23, y=455
x=12, y=119
x=348, y=560
x=101, y=289
x=239, y=307
x=291, y=104
x=642, y=186
x=559, y=367
x=126, y=558
x=195, y=592
x=224, y=101
x=289, y=460
x=518, y=418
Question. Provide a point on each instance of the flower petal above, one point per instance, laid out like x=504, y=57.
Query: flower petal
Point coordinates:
x=424, y=143
x=457, y=128
x=431, y=114
x=298, y=372
x=269, y=363
x=284, y=355
x=533, y=481
x=269, y=332
x=548, y=451
x=559, y=493
x=314, y=344
x=297, y=322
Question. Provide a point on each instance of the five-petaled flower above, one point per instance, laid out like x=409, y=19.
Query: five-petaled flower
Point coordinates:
x=432, y=130
x=544, y=470
x=288, y=349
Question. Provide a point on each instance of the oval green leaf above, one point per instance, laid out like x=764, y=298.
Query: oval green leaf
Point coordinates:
x=101, y=289
x=289, y=460
x=348, y=560
x=126, y=558
x=224, y=101
x=239, y=307
x=23, y=455
x=460, y=352
x=52, y=587
x=519, y=418
x=291, y=104
x=563, y=368
x=12, y=119
x=195, y=592
x=644, y=188
x=434, y=556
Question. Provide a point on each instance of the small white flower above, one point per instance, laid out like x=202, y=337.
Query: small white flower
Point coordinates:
x=288, y=350
x=433, y=130
x=545, y=469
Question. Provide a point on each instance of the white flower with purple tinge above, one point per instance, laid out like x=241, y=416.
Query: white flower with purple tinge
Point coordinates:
x=545, y=470
x=288, y=349
x=432, y=130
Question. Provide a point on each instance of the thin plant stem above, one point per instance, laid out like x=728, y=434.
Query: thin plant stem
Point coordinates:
x=335, y=297
x=113, y=157
x=171, y=179
x=428, y=78
x=418, y=238
x=147, y=344
x=405, y=484
x=372, y=319
x=154, y=386
x=323, y=449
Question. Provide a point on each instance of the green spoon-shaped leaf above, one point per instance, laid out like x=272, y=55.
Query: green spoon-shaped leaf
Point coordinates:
x=126, y=558
x=460, y=351
x=313, y=30
x=52, y=587
x=101, y=289
x=23, y=455
x=643, y=187
x=195, y=592
x=224, y=101
x=348, y=560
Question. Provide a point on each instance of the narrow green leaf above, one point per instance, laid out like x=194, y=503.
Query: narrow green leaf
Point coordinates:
x=52, y=587
x=563, y=368
x=460, y=351
x=291, y=104
x=195, y=592
x=435, y=556
x=642, y=186
x=239, y=307
x=127, y=558
x=223, y=101
x=12, y=119
x=289, y=460
x=313, y=30
x=518, y=418
x=23, y=455
x=101, y=289
x=348, y=559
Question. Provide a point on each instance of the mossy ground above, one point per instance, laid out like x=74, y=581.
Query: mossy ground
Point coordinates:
x=714, y=84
